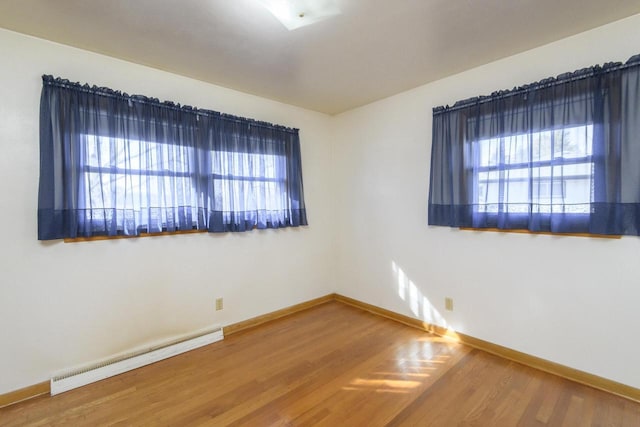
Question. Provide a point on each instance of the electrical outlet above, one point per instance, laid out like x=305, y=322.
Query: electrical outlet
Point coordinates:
x=219, y=304
x=448, y=303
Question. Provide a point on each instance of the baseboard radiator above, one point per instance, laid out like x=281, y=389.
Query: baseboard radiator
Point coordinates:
x=131, y=360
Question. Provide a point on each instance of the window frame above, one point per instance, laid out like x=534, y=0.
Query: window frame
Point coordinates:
x=143, y=229
x=475, y=168
x=114, y=171
x=232, y=178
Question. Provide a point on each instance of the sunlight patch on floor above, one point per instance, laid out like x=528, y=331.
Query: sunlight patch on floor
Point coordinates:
x=382, y=385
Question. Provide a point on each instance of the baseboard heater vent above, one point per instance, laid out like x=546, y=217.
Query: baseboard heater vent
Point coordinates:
x=132, y=360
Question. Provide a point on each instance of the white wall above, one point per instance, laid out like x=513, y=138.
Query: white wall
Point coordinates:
x=571, y=300
x=66, y=304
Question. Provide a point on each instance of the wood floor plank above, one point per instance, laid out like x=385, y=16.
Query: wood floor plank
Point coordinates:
x=549, y=401
x=330, y=365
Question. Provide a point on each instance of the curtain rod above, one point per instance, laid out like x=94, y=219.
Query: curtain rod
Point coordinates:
x=142, y=99
x=541, y=84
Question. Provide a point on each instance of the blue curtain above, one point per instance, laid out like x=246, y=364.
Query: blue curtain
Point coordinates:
x=113, y=164
x=559, y=155
x=255, y=174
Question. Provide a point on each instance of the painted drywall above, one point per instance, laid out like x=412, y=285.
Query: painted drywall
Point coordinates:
x=62, y=305
x=566, y=299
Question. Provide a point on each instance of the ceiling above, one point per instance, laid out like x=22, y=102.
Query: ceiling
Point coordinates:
x=373, y=49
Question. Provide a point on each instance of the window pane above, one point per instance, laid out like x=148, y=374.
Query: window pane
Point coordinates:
x=574, y=142
x=516, y=149
x=489, y=152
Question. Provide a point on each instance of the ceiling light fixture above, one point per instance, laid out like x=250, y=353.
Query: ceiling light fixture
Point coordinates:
x=299, y=13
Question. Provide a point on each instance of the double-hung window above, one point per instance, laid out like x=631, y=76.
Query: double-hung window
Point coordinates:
x=138, y=186
x=547, y=171
x=560, y=155
x=250, y=181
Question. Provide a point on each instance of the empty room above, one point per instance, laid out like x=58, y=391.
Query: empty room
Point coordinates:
x=320, y=212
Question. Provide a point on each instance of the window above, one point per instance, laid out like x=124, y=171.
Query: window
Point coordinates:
x=560, y=155
x=542, y=172
x=114, y=164
x=139, y=185
x=239, y=182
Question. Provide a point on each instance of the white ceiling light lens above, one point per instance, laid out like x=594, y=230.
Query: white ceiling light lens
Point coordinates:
x=299, y=13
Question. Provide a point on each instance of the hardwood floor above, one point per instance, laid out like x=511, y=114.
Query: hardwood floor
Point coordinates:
x=331, y=365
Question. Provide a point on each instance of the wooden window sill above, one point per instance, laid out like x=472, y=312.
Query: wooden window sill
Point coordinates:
x=162, y=233
x=548, y=233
